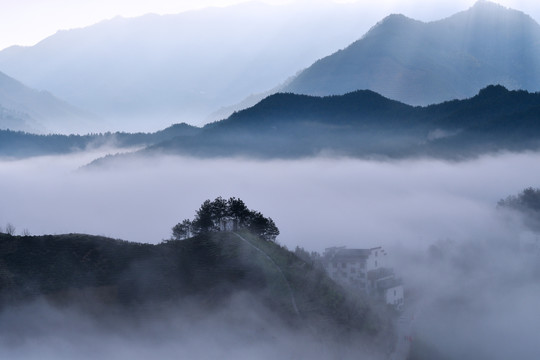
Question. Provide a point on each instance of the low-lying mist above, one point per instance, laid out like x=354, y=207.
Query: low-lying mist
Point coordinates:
x=316, y=203
x=242, y=329
x=469, y=267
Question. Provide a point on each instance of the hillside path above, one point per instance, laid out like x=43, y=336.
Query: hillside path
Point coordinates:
x=293, y=300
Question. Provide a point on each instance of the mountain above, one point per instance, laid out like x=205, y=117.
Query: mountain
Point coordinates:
x=364, y=123
x=207, y=270
x=147, y=72
x=424, y=63
x=359, y=124
x=18, y=144
x=22, y=108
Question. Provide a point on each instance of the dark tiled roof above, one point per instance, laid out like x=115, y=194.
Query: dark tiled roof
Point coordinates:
x=388, y=283
x=380, y=273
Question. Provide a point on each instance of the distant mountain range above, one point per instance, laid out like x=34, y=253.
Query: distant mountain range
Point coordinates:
x=19, y=144
x=364, y=123
x=22, y=108
x=425, y=63
x=151, y=71
x=148, y=72
x=359, y=124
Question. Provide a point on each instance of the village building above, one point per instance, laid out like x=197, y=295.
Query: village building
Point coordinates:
x=228, y=224
x=365, y=270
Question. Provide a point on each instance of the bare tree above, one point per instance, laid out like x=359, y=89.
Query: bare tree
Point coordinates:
x=10, y=229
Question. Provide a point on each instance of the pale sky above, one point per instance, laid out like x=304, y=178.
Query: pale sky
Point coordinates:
x=26, y=22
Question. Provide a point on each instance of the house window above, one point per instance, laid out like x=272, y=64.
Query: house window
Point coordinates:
x=394, y=292
x=375, y=263
x=343, y=265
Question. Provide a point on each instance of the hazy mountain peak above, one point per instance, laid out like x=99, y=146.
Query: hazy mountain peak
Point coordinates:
x=425, y=63
x=147, y=72
x=395, y=22
x=486, y=4
x=484, y=10
x=396, y=19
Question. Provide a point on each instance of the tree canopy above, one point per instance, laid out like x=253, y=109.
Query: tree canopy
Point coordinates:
x=527, y=203
x=212, y=214
x=527, y=200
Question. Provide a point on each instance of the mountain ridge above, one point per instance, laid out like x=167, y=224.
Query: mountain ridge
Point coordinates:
x=150, y=71
x=23, y=108
x=365, y=124
x=359, y=124
x=421, y=63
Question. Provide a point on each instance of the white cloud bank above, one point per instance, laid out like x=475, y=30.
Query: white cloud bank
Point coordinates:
x=315, y=203
x=478, y=293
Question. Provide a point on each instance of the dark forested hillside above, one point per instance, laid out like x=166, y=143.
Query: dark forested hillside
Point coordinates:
x=210, y=267
x=20, y=144
x=364, y=123
x=358, y=124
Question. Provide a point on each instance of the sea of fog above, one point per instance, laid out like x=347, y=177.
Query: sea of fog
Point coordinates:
x=316, y=203
x=472, y=278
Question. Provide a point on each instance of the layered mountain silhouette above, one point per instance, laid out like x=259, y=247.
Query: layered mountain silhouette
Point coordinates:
x=26, y=109
x=19, y=144
x=148, y=72
x=366, y=124
x=358, y=124
x=424, y=63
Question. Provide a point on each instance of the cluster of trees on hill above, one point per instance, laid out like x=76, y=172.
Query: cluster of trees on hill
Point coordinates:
x=528, y=199
x=526, y=202
x=221, y=214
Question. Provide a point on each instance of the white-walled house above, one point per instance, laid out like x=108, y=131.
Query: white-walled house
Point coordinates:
x=228, y=224
x=391, y=290
x=364, y=270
